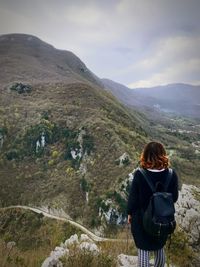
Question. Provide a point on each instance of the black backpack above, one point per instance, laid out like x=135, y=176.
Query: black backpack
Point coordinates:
x=158, y=218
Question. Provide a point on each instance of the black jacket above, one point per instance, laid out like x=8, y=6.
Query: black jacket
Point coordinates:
x=138, y=200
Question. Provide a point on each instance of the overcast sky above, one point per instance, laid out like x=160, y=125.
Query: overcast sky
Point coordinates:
x=139, y=43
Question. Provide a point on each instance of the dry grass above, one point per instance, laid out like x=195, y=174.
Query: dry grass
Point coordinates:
x=35, y=237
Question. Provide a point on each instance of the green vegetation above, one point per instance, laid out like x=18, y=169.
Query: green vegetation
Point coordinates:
x=88, y=144
x=60, y=113
x=84, y=185
x=88, y=259
x=34, y=236
x=179, y=252
x=21, y=88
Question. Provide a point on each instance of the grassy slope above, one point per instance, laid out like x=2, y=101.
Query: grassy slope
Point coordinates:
x=35, y=181
x=35, y=236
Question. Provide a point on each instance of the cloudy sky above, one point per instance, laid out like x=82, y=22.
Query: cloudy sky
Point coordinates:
x=139, y=43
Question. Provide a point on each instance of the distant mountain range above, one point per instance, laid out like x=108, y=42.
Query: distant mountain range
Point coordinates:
x=181, y=99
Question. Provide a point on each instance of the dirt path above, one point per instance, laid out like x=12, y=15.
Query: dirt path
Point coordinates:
x=81, y=227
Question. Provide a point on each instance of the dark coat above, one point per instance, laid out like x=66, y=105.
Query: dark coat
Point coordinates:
x=139, y=196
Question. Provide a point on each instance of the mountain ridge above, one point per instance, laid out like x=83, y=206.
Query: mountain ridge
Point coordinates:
x=33, y=60
x=177, y=98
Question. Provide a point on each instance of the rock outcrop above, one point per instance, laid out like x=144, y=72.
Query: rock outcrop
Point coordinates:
x=187, y=216
x=84, y=243
x=188, y=213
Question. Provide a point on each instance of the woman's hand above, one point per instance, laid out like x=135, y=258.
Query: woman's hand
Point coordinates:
x=129, y=219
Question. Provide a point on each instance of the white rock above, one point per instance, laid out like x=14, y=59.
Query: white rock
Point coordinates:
x=188, y=212
x=86, y=238
x=62, y=245
x=91, y=247
x=37, y=145
x=73, y=240
x=127, y=261
x=123, y=158
x=42, y=140
x=52, y=262
x=59, y=252
x=87, y=196
x=76, y=153
x=11, y=244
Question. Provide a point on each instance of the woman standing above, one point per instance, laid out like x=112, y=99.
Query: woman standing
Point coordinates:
x=155, y=163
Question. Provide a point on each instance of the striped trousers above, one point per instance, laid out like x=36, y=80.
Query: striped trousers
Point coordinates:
x=143, y=258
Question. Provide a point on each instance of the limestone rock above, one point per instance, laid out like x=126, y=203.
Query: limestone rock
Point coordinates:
x=90, y=247
x=85, y=243
x=59, y=252
x=73, y=240
x=126, y=261
x=52, y=262
x=188, y=212
x=124, y=159
x=84, y=238
x=11, y=244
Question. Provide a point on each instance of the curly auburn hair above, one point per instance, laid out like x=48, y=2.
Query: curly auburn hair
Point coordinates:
x=154, y=156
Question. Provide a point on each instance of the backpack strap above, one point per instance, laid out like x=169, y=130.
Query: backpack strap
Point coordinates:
x=168, y=179
x=167, y=182
x=147, y=179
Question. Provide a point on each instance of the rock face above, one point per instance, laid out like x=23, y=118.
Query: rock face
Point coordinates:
x=187, y=216
x=126, y=261
x=84, y=244
x=124, y=159
x=188, y=213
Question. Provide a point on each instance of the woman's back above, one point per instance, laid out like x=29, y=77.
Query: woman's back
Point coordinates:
x=154, y=162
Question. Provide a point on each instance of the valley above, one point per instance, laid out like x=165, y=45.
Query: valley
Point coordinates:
x=66, y=142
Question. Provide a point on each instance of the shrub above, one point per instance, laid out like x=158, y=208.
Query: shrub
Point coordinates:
x=54, y=154
x=12, y=154
x=179, y=252
x=84, y=185
x=88, y=143
x=3, y=130
x=78, y=258
x=51, y=162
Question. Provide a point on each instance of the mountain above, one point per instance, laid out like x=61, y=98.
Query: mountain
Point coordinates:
x=123, y=93
x=68, y=144
x=27, y=58
x=64, y=141
x=180, y=99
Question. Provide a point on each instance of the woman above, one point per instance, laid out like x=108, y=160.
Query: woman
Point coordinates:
x=155, y=162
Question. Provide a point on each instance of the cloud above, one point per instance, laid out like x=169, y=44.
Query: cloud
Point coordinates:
x=187, y=72
x=174, y=60
x=130, y=41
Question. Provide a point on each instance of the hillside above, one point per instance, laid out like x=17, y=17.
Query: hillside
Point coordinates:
x=177, y=99
x=61, y=140
x=28, y=237
x=27, y=58
x=65, y=143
